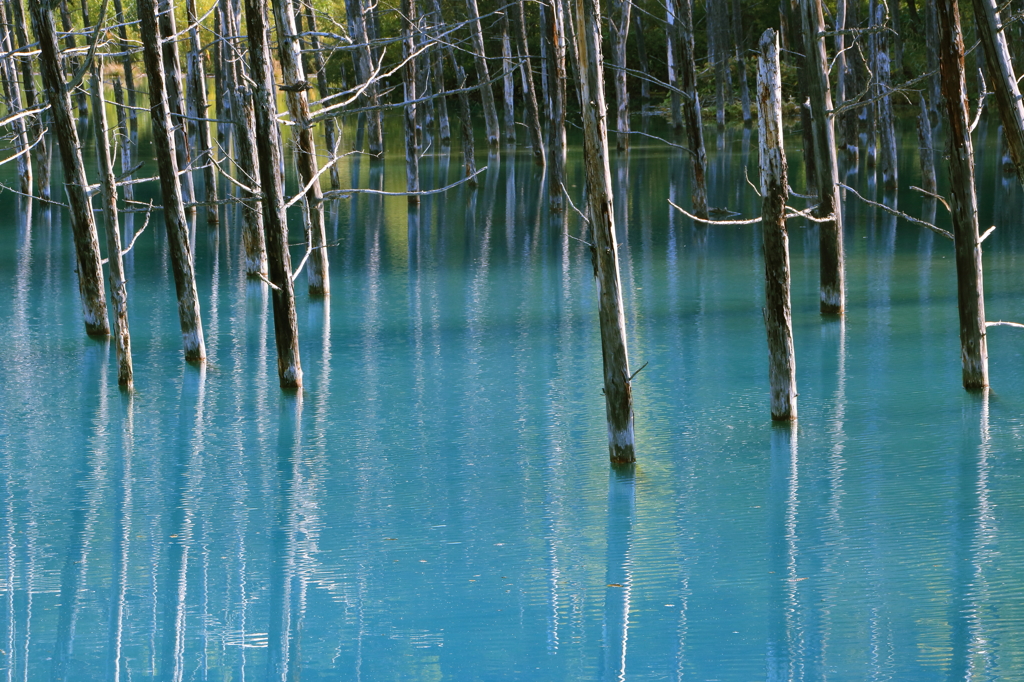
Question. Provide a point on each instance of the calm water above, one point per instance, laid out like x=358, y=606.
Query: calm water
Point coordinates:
x=437, y=503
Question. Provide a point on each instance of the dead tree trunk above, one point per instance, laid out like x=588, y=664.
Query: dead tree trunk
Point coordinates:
x=717, y=56
x=557, y=144
x=87, y=246
x=687, y=71
x=305, y=147
x=886, y=123
x=358, y=28
x=617, y=389
x=443, y=123
x=619, y=34
x=132, y=130
x=778, y=316
x=253, y=240
x=832, y=271
x=330, y=125
x=963, y=198
x=12, y=97
x=931, y=41
x=846, y=122
x=41, y=152
x=170, y=187
x=673, y=55
x=529, y=91
x=741, y=62
x=176, y=101
x=227, y=79
x=483, y=75
x=197, y=109
x=465, y=112
x=992, y=32
x=286, y=326
x=926, y=148
x=645, y=66
x=118, y=288
x=509, y=83
x=73, y=62
x=412, y=159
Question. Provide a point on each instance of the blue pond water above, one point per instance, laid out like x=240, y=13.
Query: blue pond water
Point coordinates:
x=437, y=503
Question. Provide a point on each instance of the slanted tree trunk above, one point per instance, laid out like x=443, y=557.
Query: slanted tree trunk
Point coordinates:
x=331, y=124
x=687, y=71
x=617, y=389
x=197, y=110
x=557, y=145
x=926, y=148
x=778, y=315
x=176, y=101
x=87, y=246
x=412, y=159
x=118, y=288
x=12, y=97
x=741, y=62
x=509, y=83
x=41, y=152
x=529, y=90
x=832, y=271
x=295, y=86
x=483, y=75
x=72, y=61
x=963, y=198
x=286, y=326
x=619, y=34
x=992, y=32
x=170, y=187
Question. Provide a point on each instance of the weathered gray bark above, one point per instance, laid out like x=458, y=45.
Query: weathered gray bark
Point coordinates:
x=317, y=273
x=846, y=122
x=444, y=126
x=483, y=74
x=886, y=126
x=619, y=34
x=412, y=159
x=118, y=288
x=72, y=61
x=253, y=240
x=197, y=110
x=41, y=152
x=286, y=327
x=176, y=100
x=12, y=99
x=330, y=125
x=926, y=148
x=832, y=270
x=963, y=198
x=991, y=31
x=617, y=389
x=774, y=192
x=557, y=145
x=87, y=247
x=228, y=73
x=529, y=89
x=170, y=187
x=509, y=83
x=687, y=82
x=125, y=136
x=131, y=131
x=359, y=28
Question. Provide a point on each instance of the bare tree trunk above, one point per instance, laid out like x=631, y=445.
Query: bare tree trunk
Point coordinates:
x=991, y=31
x=253, y=240
x=832, y=270
x=557, y=145
x=87, y=247
x=529, y=91
x=412, y=159
x=295, y=85
x=619, y=34
x=931, y=43
x=443, y=123
x=641, y=54
x=465, y=113
x=778, y=315
x=687, y=72
x=12, y=96
x=176, y=101
x=330, y=125
x=716, y=56
x=360, y=30
x=483, y=75
x=926, y=148
x=509, y=83
x=741, y=62
x=886, y=121
x=286, y=326
x=197, y=110
x=170, y=187
x=131, y=131
x=41, y=152
x=617, y=389
x=227, y=75
x=73, y=63
x=673, y=55
x=963, y=198
x=118, y=288
x=846, y=122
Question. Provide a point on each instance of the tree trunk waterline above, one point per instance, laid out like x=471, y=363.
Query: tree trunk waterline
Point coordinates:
x=992, y=33
x=530, y=90
x=483, y=75
x=778, y=316
x=295, y=85
x=197, y=111
x=963, y=198
x=286, y=326
x=741, y=62
x=617, y=389
x=118, y=288
x=886, y=126
x=832, y=269
x=687, y=71
x=87, y=246
x=170, y=187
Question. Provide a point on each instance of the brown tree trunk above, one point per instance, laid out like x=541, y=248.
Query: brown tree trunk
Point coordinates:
x=617, y=389
x=777, y=311
x=118, y=288
x=832, y=271
x=963, y=198
x=197, y=110
x=687, y=72
x=170, y=187
x=295, y=86
x=286, y=327
x=87, y=246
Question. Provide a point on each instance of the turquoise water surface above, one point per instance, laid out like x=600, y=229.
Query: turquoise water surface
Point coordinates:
x=437, y=504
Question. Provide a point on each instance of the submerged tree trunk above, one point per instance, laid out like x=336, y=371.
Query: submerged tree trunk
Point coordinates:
x=286, y=326
x=295, y=86
x=358, y=27
x=253, y=240
x=41, y=152
x=118, y=288
x=176, y=101
x=529, y=91
x=963, y=198
x=87, y=247
x=691, y=109
x=886, y=121
x=617, y=389
x=557, y=145
x=741, y=62
x=330, y=124
x=128, y=146
x=197, y=111
x=832, y=270
x=926, y=149
x=412, y=159
x=777, y=311
x=465, y=112
x=619, y=33
x=170, y=187
x=992, y=32
x=483, y=75
x=509, y=83
x=12, y=97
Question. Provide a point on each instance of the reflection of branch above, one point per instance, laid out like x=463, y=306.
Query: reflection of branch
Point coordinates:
x=899, y=214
